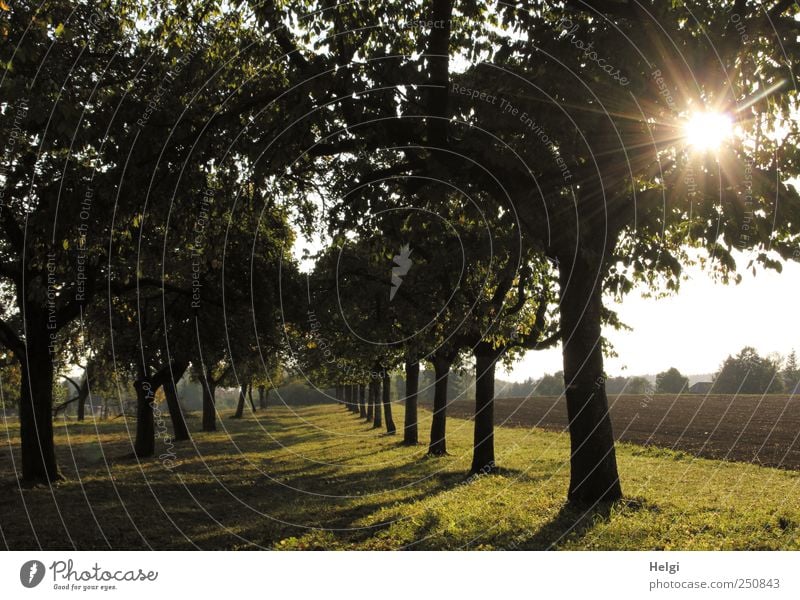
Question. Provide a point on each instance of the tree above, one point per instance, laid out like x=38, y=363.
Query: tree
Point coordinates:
x=53, y=222
x=748, y=373
x=671, y=382
x=550, y=385
x=387, y=402
x=637, y=385
x=73, y=197
x=520, y=322
x=791, y=374
x=410, y=429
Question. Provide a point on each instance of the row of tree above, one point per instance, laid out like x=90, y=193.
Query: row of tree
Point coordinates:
x=164, y=156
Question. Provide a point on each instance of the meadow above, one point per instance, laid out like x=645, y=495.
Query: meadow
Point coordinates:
x=318, y=477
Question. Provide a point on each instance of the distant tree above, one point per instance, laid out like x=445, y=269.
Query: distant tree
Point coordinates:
x=550, y=385
x=791, y=374
x=748, y=373
x=638, y=385
x=627, y=385
x=671, y=382
x=617, y=385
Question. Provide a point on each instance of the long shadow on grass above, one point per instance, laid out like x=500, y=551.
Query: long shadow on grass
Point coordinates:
x=344, y=517
x=572, y=522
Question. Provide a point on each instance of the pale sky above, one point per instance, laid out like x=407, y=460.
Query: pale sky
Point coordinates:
x=695, y=330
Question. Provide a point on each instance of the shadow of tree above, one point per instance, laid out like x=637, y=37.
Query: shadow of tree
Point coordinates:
x=572, y=522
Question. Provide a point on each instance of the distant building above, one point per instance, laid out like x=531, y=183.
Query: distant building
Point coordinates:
x=701, y=387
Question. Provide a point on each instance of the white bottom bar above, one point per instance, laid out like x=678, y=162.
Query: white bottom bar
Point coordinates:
x=400, y=576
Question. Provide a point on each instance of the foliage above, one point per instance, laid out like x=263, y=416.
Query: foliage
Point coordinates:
x=748, y=373
x=10, y=380
x=671, y=381
x=791, y=374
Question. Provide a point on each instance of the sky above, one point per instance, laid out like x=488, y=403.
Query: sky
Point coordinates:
x=696, y=329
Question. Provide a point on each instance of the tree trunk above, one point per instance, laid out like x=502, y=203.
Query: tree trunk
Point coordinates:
x=375, y=392
x=250, y=396
x=352, y=398
x=340, y=395
x=387, y=403
x=483, y=439
x=209, y=410
x=145, y=444
x=36, y=406
x=410, y=429
x=593, y=473
x=81, y=394
x=370, y=401
x=240, y=405
x=82, y=399
x=438, y=444
x=180, y=432
x=362, y=408
x=262, y=397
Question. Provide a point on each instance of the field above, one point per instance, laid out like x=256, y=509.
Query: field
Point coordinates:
x=763, y=430
x=318, y=477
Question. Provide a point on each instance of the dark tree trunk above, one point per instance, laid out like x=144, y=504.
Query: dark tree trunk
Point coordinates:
x=82, y=400
x=370, y=401
x=36, y=405
x=340, y=395
x=145, y=444
x=438, y=444
x=483, y=439
x=375, y=393
x=387, y=403
x=209, y=410
x=240, y=405
x=180, y=432
x=362, y=401
x=81, y=394
x=410, y=429
x=250, y=397
x=593, y=473
x=352, y=392
x=262, y=397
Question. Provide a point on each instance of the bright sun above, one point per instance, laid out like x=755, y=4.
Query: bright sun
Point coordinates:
x=707, y=130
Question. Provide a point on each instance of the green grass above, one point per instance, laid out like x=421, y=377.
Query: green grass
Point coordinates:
x=320, y=478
